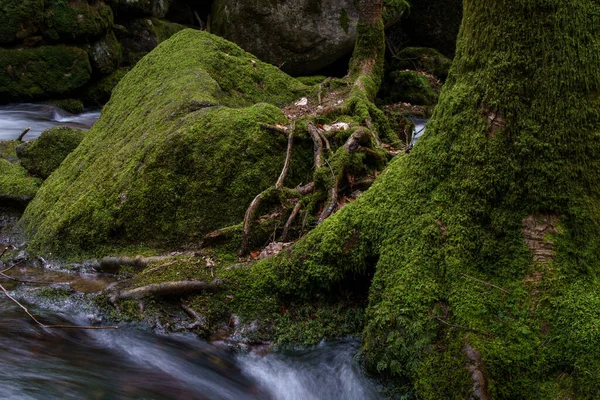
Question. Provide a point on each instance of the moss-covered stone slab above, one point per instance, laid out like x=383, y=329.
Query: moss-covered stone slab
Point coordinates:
x=76, y=20
x=20, y=19
x=42, y=156
x=178, y=151
x=42, y=71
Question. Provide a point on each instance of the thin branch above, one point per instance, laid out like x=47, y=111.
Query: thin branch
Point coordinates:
x=22, y=135
x=486, y=283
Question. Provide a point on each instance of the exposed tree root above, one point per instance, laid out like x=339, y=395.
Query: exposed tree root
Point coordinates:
x=112, y=264
x=164, y=289
x=290, y=220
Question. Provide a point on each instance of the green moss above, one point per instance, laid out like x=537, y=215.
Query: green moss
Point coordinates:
x=42, y=71
x=443, y=228
x=178, y=151
x=422, y=59
x=55, y=293
x=311, y=80
x=411, y=87
x=20, y=19
x=76, y=20
x=344, y=20
x=393, y=9
x=164, y=29
x=42, y=156
x=15, y=184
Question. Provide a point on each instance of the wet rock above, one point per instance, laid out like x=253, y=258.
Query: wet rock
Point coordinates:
x=301, y=36
x=105, y=55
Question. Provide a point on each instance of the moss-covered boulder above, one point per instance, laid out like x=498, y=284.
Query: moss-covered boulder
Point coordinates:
x=423, y=59
x=20, y=19
x=178, y=151
x=411, y=87
x=42, y=71
x=16, y=185
x=42, y=156
x=76, y=20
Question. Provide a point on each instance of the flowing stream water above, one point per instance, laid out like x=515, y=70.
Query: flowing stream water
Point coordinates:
x=15, y=118
x=133, y=362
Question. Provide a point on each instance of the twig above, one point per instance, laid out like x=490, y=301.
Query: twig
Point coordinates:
x=486, y=283
x=458, y=326
x=200, y=24
x=22, y=135
x=51, y=326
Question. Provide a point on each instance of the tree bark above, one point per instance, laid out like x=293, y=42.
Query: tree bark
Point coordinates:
x=510, y=164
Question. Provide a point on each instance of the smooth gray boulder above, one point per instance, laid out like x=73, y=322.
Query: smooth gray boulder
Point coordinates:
x=300, y=36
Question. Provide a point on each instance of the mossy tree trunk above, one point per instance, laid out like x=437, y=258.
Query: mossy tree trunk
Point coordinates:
x=485, y=239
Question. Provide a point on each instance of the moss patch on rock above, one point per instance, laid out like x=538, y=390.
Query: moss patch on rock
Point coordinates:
x=178, y=151
x=42, y=156
x=20, y=19
x=99, y=92
x=76, y=20
x=42, y=71
x=411, y=87
x=422, y=59
x=16, y=185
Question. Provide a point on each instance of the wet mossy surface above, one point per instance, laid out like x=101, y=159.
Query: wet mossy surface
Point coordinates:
x=42, y=71
x=76, y=20
x=446, y=231
x=17, y=187
x=43, y=155
x=178, y=151
x=20, y=19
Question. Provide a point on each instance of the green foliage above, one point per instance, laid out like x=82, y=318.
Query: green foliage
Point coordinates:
x=42, y=156
x=42, y=71
x=515, y=135
x=178, y=151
